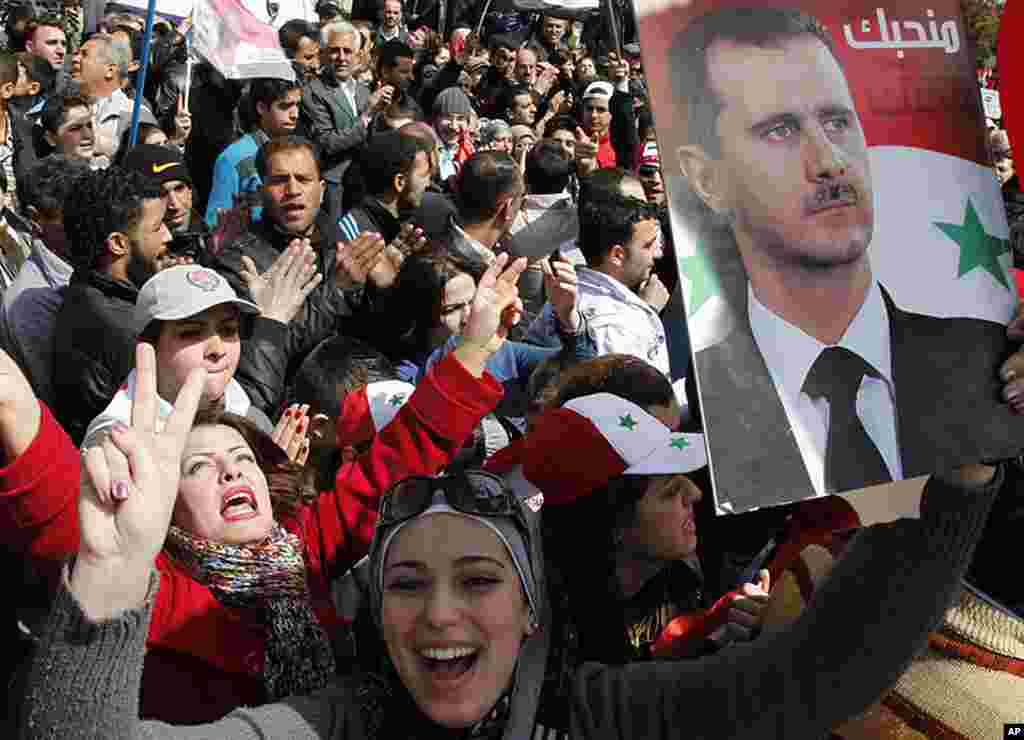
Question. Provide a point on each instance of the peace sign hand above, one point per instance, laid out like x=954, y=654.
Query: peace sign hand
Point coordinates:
x=128, y=489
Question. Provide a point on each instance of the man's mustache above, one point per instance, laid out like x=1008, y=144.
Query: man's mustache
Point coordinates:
x=834, y=194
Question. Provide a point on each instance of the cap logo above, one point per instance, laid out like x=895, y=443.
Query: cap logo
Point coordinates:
x=158, y=168
x=204, y=280
x=535, y=502
x=679, y=443
x=628, y=422
x=397, y=400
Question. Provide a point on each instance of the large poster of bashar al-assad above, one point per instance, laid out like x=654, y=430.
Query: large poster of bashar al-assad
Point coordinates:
x=841, y=239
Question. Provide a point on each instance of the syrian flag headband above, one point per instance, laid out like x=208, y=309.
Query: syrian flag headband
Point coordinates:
x=369, y=409
x=571, y=451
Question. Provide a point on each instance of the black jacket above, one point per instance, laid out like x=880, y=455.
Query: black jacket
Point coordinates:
x=94, y=347
x=321, y=316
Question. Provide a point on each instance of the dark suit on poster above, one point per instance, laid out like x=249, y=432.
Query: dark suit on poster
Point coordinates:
x=947, y=393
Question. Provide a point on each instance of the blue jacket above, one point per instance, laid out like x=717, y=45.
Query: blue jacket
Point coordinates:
x=235, y=172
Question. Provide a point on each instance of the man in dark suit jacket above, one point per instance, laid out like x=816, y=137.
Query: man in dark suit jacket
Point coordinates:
x=336, y=109
x=823, y=367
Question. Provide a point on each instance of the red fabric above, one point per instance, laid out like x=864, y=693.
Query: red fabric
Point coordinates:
x=683, y=635
x=812, y=522
x=355, y=424
x=606, y=152
x=1018, y=277
x=565, y=472
x=204, y=659
x=1010, y=58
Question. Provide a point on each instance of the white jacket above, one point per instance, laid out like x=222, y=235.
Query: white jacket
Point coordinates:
x=618, y=320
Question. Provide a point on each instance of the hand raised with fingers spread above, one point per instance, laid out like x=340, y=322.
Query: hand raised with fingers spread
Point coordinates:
x=182, y=123
x=128, y=490
x=357, y=258
x=496, y=306
x=560, y=285
x=292, y=433
x=281, y=291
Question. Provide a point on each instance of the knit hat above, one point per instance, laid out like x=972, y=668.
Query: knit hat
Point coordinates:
x=520, y=130
x=599, y=89
x=158, y=162
x=369, y=409
x=451, y=101
x=572, y=451
x=183, y=291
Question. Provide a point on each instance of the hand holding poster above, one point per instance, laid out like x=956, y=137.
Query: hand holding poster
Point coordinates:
x=837, y=218
x=236, y=42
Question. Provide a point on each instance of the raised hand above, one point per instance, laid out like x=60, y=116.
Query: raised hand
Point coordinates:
x=410, y=240
x=654, y=293
x=281, y=290
x=292, y=433
x=586, y=152
x=357, y=258
x=560, y=285
x=129, y=486
x=381, y=97
x=618, y=68
x=496, y=306
x=182, y=123
x=20, y=415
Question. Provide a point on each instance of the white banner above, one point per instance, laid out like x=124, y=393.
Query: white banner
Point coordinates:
x=237, y=43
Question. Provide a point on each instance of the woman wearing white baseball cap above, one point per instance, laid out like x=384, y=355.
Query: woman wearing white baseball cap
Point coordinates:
x=194, y=319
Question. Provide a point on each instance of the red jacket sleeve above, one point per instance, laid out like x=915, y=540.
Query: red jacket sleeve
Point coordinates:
x=39, y=495
x=422, y=438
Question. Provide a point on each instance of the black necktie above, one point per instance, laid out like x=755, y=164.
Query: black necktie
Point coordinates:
x=851, y=459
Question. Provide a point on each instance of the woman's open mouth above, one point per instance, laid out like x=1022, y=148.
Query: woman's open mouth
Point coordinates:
x=448, y=665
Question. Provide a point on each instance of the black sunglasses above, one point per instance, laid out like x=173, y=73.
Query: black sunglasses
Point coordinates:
x=473, y=492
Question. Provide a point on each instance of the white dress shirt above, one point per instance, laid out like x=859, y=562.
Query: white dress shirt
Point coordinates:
x=789, y=354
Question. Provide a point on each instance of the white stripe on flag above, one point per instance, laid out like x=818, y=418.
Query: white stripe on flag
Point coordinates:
x=237, y=43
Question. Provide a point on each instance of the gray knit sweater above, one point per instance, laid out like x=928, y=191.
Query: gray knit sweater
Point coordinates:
x=864, y=626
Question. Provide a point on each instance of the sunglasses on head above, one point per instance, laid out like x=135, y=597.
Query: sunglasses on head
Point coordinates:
x=473, y=492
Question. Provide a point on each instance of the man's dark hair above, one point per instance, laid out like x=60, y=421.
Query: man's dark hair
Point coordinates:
x=601, y=182
x=560, y=122
x=103, y=202
x=501, y=41
x=607, y=219
x=761, y=27
x=56, y=108
x=284, y=144
x=290, y=35
x=50, y=181
x=388, y=154
x=482, y=184
x=8, y=68
x=389, y=54
x=548, y=172
x=511, y=92
x=47, y=20
x=335, y=368
x=268, y=90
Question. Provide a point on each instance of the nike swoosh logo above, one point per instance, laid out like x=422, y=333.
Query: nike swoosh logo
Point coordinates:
x=158, y=168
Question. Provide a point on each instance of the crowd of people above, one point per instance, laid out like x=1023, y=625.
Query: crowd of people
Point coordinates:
x=359, y=405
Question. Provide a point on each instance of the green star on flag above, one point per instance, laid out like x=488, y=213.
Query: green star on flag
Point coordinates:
x=397, y=399
x=628, y=422
x=679, y=443
x=703, y=284
x=977, y=247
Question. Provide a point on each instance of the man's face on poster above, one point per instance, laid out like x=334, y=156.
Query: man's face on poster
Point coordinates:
x=793, y=169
